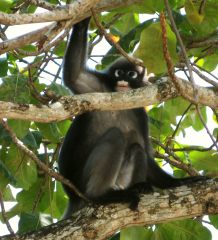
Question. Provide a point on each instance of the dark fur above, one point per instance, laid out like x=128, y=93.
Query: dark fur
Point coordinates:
x=107, y=155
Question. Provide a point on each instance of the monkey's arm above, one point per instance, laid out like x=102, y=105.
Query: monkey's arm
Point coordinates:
x=76, y=76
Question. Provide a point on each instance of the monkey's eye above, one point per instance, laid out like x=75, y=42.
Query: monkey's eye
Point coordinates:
x=132, y=74
x=118, y=72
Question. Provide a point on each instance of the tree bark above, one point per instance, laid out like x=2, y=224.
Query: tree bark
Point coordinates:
x=69, y=106
x=103, y=221
x=76, y=10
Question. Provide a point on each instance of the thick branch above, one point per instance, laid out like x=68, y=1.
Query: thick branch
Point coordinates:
x=73, y=13
x=101, y=222
x=29, y=38
x=77, y=10
x=67, y=107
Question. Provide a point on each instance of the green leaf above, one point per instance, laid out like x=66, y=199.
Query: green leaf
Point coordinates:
x=47, y=197
x=207, y=161
x=5, y=5
x=126, y=42
x=28, y=222
x=59, y=202
x=5, y=138
x=49, y=131
x=215, y=132
x=206, y=22
x=150, y=48
x=6, y=176
x=23, y=169
x=151, y=6
x=42, y=189
x=115, y=237
x=59, y=89
x=210, y=62
x=133, y=233
x=159, y=122
x=192, y=12
x=125, y=23
x=182, y=230
x=54, y=1
x=14, y=89
x=3, y=67
x=136, y=8
x=32, y=139
x=214, y=220
x=192, y=119
x=30, y=8
x=19, y=127
x=184, y=26
x=7, y=194
x=175, y=107
x=29, y=48
x=64, y=126
x=60, y=49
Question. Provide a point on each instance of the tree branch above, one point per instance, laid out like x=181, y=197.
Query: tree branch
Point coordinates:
x=102, y=222
x=77, y=10
x=69, y=106
x=22, y=40
x=69, y=11
x=66, y=15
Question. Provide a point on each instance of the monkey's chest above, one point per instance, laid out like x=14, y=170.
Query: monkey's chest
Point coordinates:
x=126, y=121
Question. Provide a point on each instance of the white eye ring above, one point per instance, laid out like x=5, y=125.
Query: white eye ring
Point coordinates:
x=133, y=74
x=118, y=72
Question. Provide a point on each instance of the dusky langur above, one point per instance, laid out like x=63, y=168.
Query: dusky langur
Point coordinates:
x=107, y=155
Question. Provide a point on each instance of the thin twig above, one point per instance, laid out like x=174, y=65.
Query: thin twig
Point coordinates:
x=180, y=120
x=193, y=148
x=205, y=126
x=196, y=68
x=187, y=61
x=205, y=78
x=177, y=161
x=202, y=6
x=113, y=43
x=188, y=64
x=169, y=63
x=34, y=92
x=210, y=73
x=4, y=215
x=203, y=43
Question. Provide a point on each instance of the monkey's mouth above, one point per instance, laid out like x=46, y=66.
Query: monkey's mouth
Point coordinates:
x=122, y=86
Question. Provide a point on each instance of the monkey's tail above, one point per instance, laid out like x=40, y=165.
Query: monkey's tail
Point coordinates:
x=159, y=178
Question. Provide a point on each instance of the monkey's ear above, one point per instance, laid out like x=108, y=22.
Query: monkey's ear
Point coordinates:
x=141, y=70
x=145, y=80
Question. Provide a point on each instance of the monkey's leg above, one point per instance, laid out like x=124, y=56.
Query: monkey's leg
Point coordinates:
x=137, y=158
x=111, y=171
x=104, y=163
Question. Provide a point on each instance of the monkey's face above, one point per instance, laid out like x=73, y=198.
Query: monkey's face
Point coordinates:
x=127, y=79
x=125, y=75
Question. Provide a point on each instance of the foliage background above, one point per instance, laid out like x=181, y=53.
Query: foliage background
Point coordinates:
x=40, y=200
